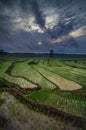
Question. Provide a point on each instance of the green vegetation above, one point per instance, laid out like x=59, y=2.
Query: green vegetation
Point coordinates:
x=64, y=101
x=23, y=69
x=17, y=80
x=68, y=75
x=63, y=83
x=63, y=68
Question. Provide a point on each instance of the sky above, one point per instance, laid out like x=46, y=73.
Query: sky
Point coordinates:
x=37, y=26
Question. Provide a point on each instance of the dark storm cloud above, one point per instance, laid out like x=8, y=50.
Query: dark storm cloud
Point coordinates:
x=34, y=8
x=56, y=17
x=7, y=2
x=38, y=14
x=61, y=29
x=27, y=6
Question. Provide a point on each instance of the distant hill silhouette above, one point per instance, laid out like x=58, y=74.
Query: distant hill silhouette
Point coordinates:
x=46, y=55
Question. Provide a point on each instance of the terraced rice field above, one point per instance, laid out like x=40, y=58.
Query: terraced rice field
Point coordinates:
x=63, y=83
x=18, y=117
x=59, y=83
x=29, y=73
x=18, y=80
x=63, y=101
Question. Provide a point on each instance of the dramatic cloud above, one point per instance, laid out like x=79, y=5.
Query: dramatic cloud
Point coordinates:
x=79, y=32
x=35, y=25
x=73, y=34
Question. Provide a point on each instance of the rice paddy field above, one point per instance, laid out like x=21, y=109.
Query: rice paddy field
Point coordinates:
x=59, y=83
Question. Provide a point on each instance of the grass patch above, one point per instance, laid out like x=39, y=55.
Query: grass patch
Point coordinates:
x=64, y=101
x=60, y=67
x=63, y=83
x=17, y=80
x=64, y=73
x=23, y=69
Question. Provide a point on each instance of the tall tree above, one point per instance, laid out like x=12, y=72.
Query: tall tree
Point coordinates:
x=51, y=53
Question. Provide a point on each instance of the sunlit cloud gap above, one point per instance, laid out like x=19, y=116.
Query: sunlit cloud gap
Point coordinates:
x=77, y=33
